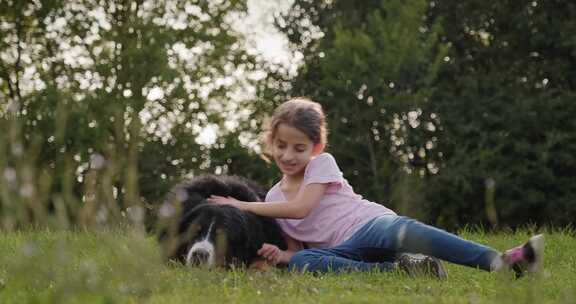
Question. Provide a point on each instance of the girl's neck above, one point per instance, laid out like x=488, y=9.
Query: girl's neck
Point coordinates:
x=293, y=179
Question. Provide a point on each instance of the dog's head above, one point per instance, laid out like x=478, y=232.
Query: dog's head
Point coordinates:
x=196, y=232
x=213, y=235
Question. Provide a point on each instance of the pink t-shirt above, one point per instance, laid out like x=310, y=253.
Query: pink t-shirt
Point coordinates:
x=340, y=212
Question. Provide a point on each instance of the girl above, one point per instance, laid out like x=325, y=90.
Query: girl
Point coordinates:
x=314, y=204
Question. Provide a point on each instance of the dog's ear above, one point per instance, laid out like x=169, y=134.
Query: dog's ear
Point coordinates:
x=240, y=235
x=257, y=232
x=272, y=233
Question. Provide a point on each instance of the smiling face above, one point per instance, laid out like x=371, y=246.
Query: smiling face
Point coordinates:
x=292, y=150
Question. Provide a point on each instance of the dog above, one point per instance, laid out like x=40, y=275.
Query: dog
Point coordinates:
x=198, y=233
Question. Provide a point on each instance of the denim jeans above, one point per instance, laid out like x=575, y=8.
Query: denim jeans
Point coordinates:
x=376, y=244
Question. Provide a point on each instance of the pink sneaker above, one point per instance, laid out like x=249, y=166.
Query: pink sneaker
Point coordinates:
x=527, y=257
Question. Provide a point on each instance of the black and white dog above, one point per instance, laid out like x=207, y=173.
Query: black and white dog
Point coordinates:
x=196, y=232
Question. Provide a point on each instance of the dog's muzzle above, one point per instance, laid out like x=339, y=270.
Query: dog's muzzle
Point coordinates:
x=202, y=253
x=199, y=257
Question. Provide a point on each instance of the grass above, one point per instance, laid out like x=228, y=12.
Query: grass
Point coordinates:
x=125, y=267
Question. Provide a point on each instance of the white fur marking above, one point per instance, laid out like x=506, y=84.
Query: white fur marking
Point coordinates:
x=203, y=245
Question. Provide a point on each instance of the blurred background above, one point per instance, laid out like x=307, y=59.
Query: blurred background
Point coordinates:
x=458, y=113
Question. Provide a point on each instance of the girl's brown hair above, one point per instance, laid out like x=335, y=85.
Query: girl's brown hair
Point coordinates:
x=301, y=113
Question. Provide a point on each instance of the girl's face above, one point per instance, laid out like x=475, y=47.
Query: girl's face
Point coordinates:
x=292, y=150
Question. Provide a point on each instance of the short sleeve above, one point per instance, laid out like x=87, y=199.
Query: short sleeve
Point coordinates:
x=323, y=170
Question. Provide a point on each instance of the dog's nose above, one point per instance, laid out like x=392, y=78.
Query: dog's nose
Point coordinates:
x=199, y=257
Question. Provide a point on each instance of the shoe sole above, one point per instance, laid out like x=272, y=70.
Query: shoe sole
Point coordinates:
x=537, y=244
x=440, y=271
x=430, y=266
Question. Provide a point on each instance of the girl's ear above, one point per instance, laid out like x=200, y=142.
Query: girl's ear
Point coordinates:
x=318, y=148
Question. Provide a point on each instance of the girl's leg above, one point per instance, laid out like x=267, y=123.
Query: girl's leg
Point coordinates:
x=414, y=236
x=338, y=259
x=393, y=234
x=402, y=234
x=408, y=235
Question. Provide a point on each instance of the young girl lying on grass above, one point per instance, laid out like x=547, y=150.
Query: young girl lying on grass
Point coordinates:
x=315, y=205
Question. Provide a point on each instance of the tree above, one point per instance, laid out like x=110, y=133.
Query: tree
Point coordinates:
x=371, y=65
x=129, y=83
x=466, y=113
x=506, y=101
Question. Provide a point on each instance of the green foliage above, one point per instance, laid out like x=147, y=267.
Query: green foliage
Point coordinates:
x=371, y=65
x=112, y=93
x=506, y=101
x=456, y=113
x=69, y=267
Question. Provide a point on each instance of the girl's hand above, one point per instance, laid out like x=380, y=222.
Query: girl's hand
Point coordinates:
x=271, y=253
x=230, y=201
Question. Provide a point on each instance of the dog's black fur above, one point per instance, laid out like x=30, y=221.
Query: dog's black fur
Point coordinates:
x=236, y=235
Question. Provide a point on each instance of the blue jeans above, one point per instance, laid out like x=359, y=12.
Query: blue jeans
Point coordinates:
x=376, y=244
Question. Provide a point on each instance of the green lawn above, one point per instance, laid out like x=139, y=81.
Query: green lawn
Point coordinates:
x=124, y=267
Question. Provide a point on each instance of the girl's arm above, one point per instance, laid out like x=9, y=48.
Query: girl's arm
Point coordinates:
x=292, y=244
x=298, y=208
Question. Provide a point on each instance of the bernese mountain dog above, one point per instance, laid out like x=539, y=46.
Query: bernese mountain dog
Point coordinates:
x=196, y=232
